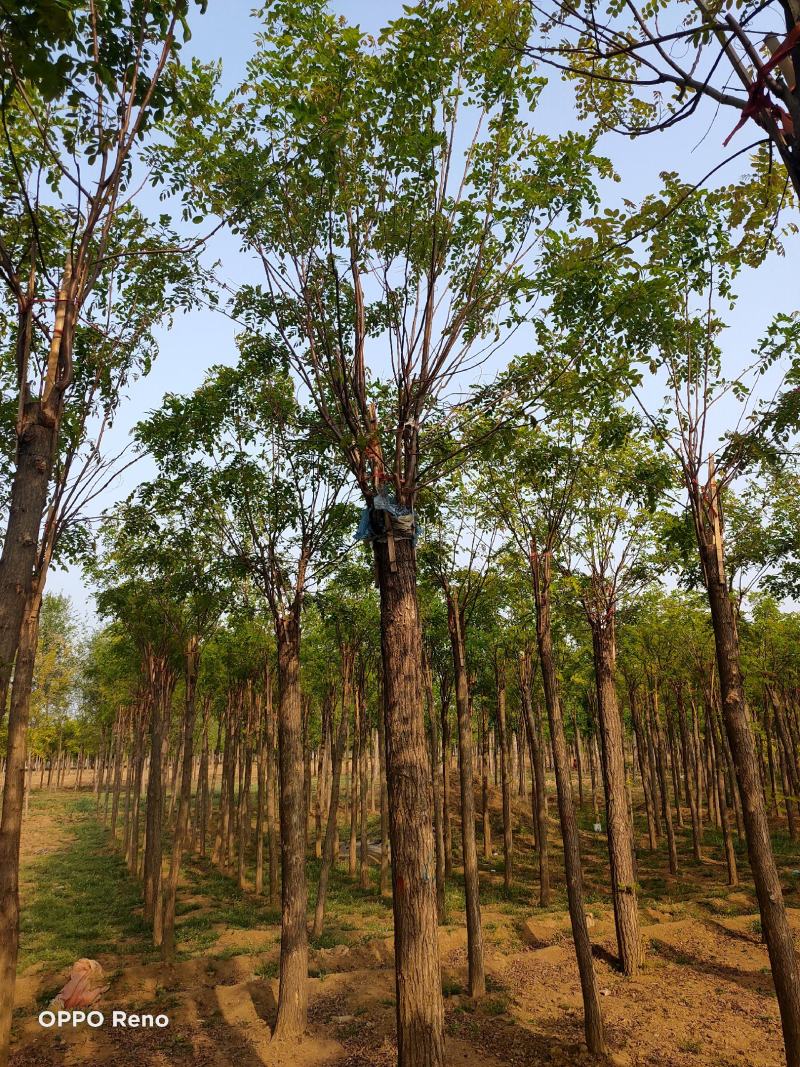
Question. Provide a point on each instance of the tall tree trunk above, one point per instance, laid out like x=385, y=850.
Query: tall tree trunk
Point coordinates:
x=724, y=811
x=306, y=767
x=618, y=824
x=444, y=694
x=363, y=856
x=145, y=710
x=11, y=820
x=272, y=774
x=221, y=836
x=36, y=442
x=181, y=833
x=355, y=763
x=438, y=817
x=541, y=564
x=775, y=925
x=578, y=760
x=469, y=848
x=261, y=794
x=536, y=749
x=502, y=731
x=663, y=777
x=119, y=751
x=486, y=822
x=689, y=770
x=243, y=818
x=293, y=994
x=385, y=864
x=420, y=1010
x=327, y=705
x=157, y=670
x=201, y=822
x=337, y=759
x=641, y=750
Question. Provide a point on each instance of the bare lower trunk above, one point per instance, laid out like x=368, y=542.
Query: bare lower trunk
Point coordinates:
x=486, y=824
x=774, y=922
x=502, y=727
x=663, y=777
x=293, y=994
x=536, y=749
x=420, y=1011
x=438, y=816
x=448, y=829
x=11, y=821
x=152, y=854
x=641, y=750
x=477, y=974
x=272, y=829
x=363, y=852
x=573, y=869
x=261, y=797
x=724, y=812
x=385, y=861
x=689, y=771
x=182, y=824
x=355, y=762
x=337, y=758
x=619, y=830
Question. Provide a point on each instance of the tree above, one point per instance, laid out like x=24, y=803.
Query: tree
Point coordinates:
x=623, y=56
x=395, y=198
x=532, y=491
x=664, y=312
x=257, y=462
x=458, y=556
x=74, y=147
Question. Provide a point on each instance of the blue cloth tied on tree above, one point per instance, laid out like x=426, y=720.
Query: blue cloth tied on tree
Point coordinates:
x=403, y=520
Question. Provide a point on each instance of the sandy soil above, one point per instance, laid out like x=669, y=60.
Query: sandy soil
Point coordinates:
x=704, y=999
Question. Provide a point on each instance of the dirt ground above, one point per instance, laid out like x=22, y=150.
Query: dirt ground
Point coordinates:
x=705, y=996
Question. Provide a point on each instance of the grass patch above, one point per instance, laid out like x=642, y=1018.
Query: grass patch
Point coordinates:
x=268, y=969
x=80, y=901
x=496, y=1005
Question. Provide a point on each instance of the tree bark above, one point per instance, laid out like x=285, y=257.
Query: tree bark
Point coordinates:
x=438, y=817
x=541, y=564
x=420, y=1011
x=486, y=823
x=293, y=993
x=11, y=820
x=633, y=701
x=536, y=749
x=618, y=824
x=179, y=838
x=355, y=763
x=261, y=794
x=34, y=461
x=444, y=694
x=663, y=776
x=469, y=848
x=161, y=688
x=385, y=861
x=337, y=758
x=502, y=729
x=775, y=925
x=724, y=811
x=363, y=853
x=689, y=771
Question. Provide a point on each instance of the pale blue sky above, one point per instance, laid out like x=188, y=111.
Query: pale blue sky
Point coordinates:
x=203, y=338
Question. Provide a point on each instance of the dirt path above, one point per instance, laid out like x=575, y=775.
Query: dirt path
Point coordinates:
x=705, y=996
